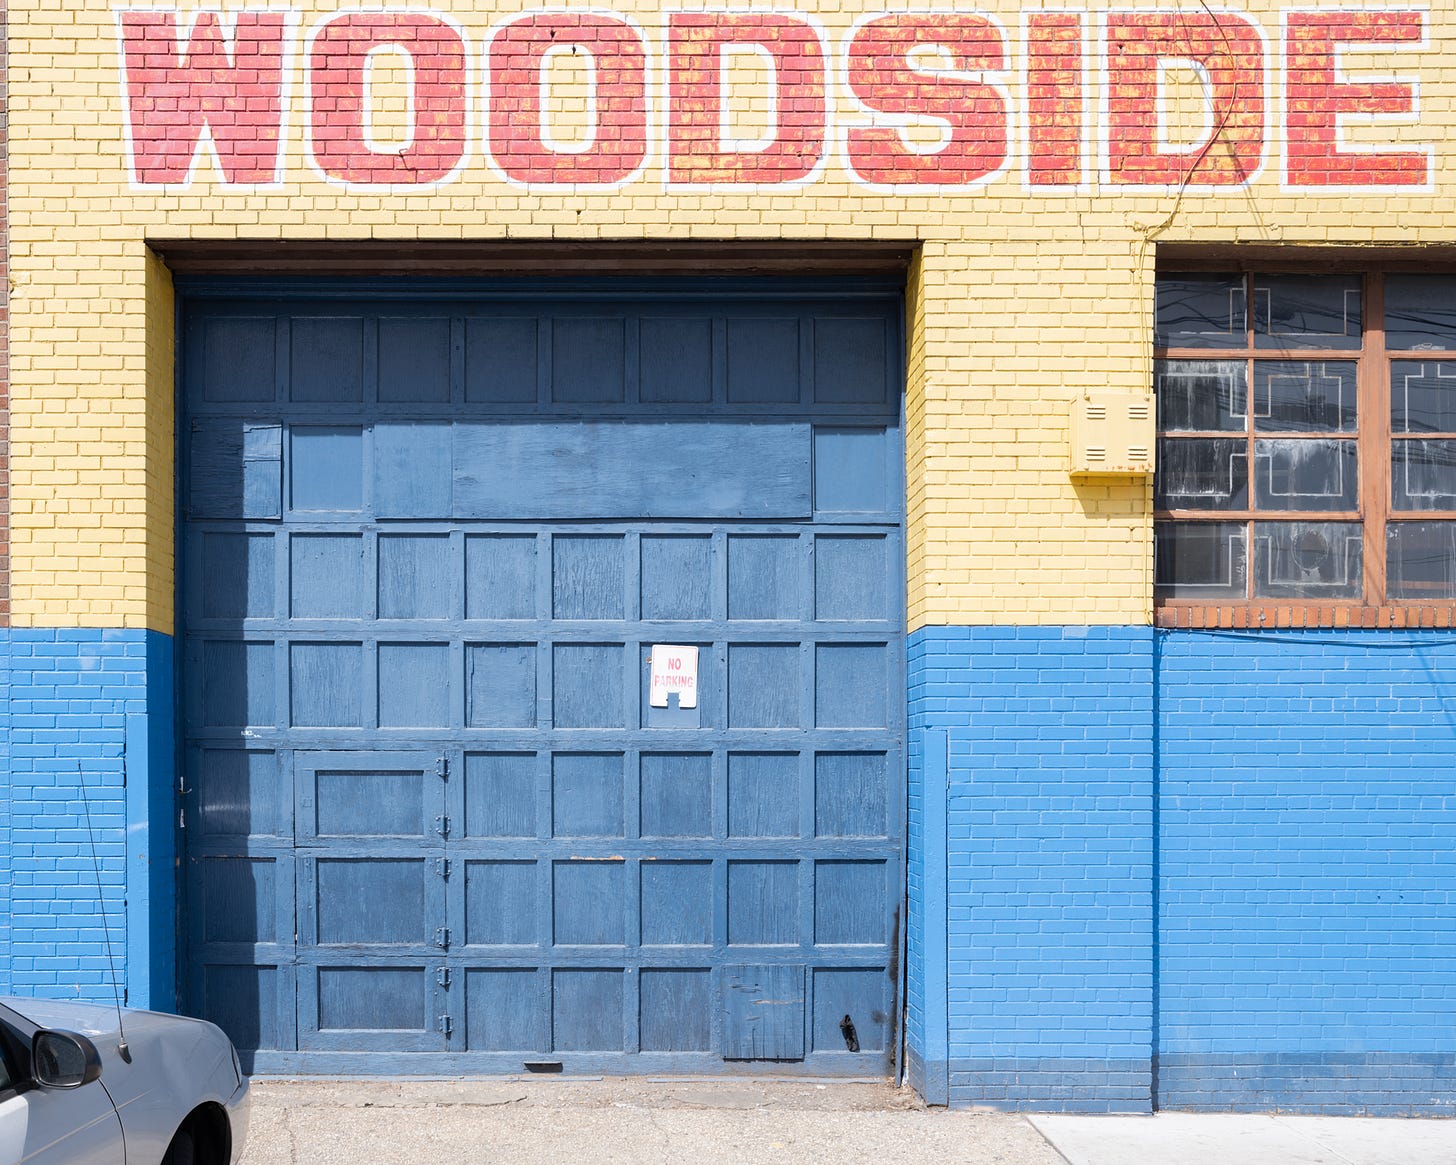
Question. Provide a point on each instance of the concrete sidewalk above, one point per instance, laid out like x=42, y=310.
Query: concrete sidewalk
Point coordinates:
x=1180, y=1138
x=651, y=1122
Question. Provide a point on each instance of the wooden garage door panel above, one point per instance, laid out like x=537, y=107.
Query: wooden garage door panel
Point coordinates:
x=577, y=469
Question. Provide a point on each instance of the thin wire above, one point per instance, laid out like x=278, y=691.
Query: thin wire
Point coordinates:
x=1380, y=642
x=1232, y=61
x=1147, y=236
x=101, y=903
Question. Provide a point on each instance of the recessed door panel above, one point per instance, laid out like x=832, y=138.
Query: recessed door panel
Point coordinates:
x=346, y=1005
x=351, y=802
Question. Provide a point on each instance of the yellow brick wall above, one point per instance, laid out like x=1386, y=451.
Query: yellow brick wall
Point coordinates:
x=1018, y=301
x=1007, y=334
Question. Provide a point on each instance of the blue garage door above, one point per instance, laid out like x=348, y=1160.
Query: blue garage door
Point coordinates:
x=434, y=544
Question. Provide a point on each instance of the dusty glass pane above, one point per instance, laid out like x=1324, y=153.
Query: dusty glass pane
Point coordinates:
x=1423, y=396
x=1200, y=560
x=1202, y=473
x=1420, y=560
x=1307, y=560
x=1304, y=396
x=1420, y=311
x=1202, y=395
x=1200, y=311
x=1422, y=474
x=1305, y=474
x=1306, y=311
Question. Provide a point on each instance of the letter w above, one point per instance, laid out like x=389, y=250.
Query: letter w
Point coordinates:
x=180, y=89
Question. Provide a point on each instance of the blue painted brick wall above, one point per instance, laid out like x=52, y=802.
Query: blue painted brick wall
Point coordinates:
x=6, y=795
x=70, y=692
x=1306, y=888
x=915, y=921
x=1050, y=864
x=1308, y=871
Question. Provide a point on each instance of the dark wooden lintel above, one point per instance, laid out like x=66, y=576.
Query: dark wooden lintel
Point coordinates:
x=383, y=258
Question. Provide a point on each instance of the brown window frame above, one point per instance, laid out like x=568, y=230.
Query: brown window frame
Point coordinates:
x=1373, y=440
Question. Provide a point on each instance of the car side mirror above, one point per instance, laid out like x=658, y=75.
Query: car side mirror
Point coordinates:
x=61, y=1059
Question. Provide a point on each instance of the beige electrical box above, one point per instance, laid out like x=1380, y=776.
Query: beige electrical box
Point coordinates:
x=1113, y=433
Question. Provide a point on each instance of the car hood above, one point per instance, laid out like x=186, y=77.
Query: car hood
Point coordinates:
x=90, y=1019
x=165, y=1049
x=98, y=1021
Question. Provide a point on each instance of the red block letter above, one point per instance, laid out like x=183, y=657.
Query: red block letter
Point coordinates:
x=229, y=88
x=1055, y=91
x=617, y=144
x=697, y=152
x=1228, y=52
x=901, y=93
x=339, y=113
x=1316, y=101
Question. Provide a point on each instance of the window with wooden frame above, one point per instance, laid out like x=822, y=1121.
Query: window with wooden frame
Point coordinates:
x=1306, y=450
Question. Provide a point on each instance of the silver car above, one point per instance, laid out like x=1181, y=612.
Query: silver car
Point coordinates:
x=73, y=1091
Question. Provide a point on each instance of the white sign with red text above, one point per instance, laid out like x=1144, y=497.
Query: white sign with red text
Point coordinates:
x=674, y=669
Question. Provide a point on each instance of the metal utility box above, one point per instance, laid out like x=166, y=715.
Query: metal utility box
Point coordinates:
x=1113, y=433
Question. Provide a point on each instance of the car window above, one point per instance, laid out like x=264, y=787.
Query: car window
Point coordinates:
x=14, y=1067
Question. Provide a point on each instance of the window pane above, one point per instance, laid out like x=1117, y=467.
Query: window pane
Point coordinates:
x=1305, y=475
x=1422, y=474
x=1306, y=311
x=1420, y=560
x=1304, y=396
x=1307, y=560
x=1200, y=560
x=1420, y=311
x=1208, y=395
x=1200, y=311
x=1423, y=396
x=1202, y=474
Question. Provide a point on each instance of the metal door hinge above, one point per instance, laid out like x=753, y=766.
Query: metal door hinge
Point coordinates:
x=442, y=768
x=442, y=937
x=442, y=976
x=445, y=1025
x=442, y=825
x=442, y=867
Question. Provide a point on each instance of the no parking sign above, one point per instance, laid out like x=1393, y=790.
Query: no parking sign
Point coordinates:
x=674, y=669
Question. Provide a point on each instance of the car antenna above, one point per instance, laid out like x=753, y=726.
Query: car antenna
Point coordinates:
x=121, y=1045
